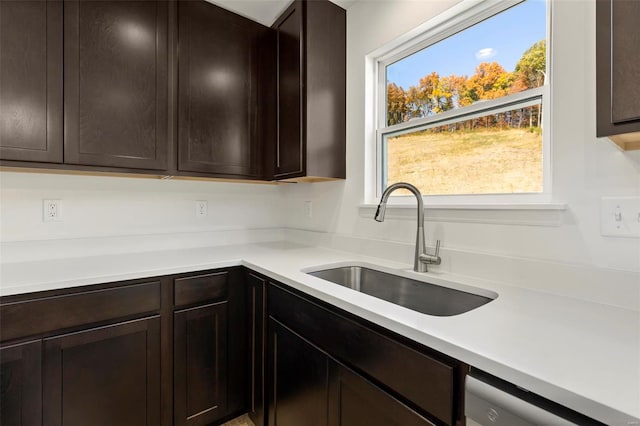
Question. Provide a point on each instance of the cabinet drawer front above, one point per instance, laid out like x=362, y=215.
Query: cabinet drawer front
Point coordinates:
x=40, y=316
x=423, y=380
x=201, y=288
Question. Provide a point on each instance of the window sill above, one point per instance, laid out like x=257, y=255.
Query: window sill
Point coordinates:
x=532, y=214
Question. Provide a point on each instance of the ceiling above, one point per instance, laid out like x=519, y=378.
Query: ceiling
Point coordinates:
x=264, y=11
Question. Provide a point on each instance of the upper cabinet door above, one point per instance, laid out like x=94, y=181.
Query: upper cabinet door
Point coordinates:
x=311, y=93
x=31, y=81
x=115, y=76
x=217, y=90
x=290, y=143
x=618, y=71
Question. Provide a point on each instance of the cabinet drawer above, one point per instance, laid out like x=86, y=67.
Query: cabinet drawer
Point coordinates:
x=201, y=288
x=47, y=314
x=425, y=381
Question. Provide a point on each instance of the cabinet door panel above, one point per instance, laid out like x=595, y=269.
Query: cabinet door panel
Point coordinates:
x=326, y=70
x=298, y=379
x=290, y=151
x=617, y=71
x=31, y=80
x=625, y=64
x=356, y=401
x=257, y=304
x=216, y=90
x=21, y=384
x=104, y=376
x=115, y=62
x=200, y=364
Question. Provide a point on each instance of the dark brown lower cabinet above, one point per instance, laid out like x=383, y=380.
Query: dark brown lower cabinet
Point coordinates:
x=298, y=379
x=200, y=364
x=108, y=354
x=256, y=301
x=21, y=384
x=104, y=376
x=353, y=400
x=308, y=387
x=401, y=375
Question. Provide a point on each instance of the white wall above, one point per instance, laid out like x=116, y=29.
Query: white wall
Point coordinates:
x=585, y=168
x=97, y=206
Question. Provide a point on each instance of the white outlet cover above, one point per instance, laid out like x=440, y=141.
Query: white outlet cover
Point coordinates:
x=51, y=210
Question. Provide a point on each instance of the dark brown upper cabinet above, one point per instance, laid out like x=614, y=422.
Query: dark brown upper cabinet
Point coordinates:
x=311, y=93
x=219, y=91
x=115, y=83
x=31, y=81
x=618, y=71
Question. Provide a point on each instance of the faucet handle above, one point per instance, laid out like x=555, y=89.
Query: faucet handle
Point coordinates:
x=431, y=259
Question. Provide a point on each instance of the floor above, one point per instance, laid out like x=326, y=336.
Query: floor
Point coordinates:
x=239, y=421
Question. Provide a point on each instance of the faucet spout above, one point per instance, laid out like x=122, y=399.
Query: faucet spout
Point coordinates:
x=422, y=258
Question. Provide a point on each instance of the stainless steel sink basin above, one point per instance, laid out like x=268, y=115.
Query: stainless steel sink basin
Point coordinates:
x=424, y=297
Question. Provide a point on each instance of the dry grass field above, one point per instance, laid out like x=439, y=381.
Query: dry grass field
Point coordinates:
x=473, y=162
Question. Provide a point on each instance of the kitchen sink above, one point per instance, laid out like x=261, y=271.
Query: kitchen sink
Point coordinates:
x=420, y=296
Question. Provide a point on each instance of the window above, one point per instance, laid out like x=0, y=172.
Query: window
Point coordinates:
x=462, y=111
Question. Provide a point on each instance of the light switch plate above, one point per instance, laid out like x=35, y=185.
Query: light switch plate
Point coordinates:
x=620, y=217
x=201, y=208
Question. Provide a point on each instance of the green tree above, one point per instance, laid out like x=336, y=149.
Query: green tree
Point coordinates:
x=530, y=69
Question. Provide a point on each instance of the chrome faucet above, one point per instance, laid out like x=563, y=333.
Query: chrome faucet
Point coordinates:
x=422, y=258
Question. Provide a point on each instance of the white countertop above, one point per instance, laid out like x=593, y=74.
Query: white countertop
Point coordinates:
x=583, y=355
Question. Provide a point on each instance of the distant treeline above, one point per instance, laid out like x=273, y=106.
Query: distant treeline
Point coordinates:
x=435, y=94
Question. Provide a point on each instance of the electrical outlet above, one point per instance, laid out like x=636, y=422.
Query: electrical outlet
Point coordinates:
x=201, y=208
x=308, y=209
x=51, y=210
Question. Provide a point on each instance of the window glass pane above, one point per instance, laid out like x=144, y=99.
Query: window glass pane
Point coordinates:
x=502, y=55
x=493, y=154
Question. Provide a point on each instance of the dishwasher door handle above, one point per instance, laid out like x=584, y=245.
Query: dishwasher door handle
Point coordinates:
x=489, y=406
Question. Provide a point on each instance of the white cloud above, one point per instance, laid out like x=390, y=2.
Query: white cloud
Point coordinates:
x=486, y=53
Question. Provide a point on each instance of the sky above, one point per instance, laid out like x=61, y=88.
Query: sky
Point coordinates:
x=502, y=38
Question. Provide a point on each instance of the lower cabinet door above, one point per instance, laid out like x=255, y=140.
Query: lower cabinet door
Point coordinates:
x=298, y=380
x=200, y=364
x=21, y=384
x=256, y=301
x=104, y=376
x=355, y=401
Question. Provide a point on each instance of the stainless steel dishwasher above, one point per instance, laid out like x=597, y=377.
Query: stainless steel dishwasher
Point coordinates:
x=490, y=401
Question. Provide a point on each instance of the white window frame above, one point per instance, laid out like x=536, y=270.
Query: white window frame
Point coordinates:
x=458, y=18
